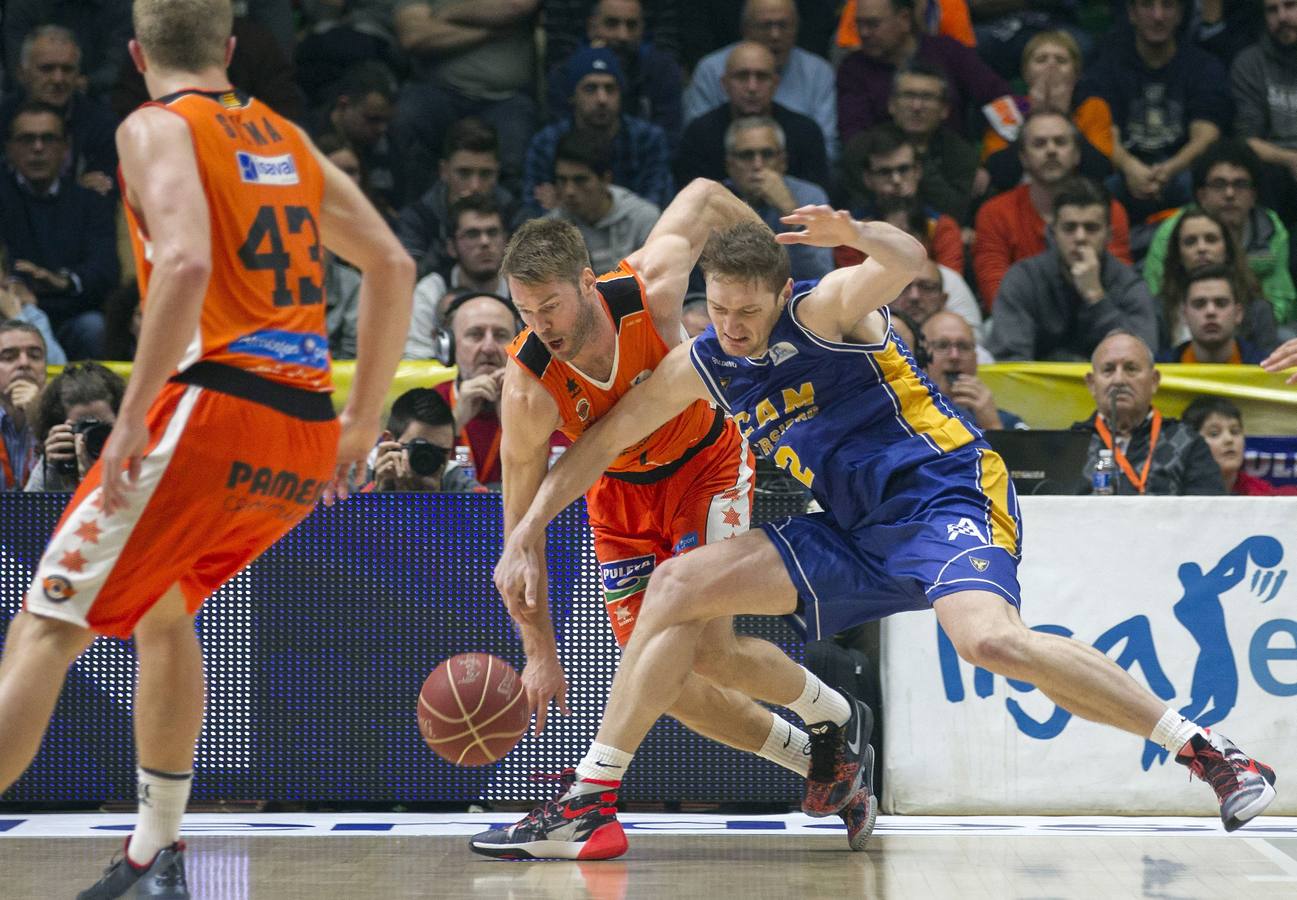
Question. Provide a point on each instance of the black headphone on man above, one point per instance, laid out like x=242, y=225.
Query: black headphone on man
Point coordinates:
x=443, y=339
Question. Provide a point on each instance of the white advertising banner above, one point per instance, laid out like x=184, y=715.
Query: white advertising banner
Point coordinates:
x=1192, y=596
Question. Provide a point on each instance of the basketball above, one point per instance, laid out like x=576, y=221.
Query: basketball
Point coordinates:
x=472, y=709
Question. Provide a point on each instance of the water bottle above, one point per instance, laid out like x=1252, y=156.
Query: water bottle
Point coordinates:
x=1104, y=479
x=464, y=460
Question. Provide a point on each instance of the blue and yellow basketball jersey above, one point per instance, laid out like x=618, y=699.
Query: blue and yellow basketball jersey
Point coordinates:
x=841, y=418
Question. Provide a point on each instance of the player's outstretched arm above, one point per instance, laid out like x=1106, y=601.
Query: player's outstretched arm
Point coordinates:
x=353, y=229
x=163, y=186
x=528, y=416
x=1283, y=357
x=671, y=388
x=845, y=296
x=676, y=241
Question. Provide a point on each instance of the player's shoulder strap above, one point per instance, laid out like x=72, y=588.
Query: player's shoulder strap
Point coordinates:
x=622, y=292
x=533, y=355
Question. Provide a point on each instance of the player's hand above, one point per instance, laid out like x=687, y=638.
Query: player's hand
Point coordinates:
x=1284, y=356
x=823, y=226
x=519, y=575
x=60, y=444
x=121, y=459
x=354, y=441
x=544, y=681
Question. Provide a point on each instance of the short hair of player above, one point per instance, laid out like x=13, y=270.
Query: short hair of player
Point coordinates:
x=184, y=35
x=418, y=405
x=544, y=250
x=746, y=252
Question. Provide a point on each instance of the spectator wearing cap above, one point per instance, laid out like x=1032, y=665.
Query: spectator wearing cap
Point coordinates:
x=653, y=77
x=641, y=159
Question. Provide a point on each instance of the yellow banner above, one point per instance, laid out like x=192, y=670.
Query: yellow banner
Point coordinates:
x=1054, y=395
x=1046, y=395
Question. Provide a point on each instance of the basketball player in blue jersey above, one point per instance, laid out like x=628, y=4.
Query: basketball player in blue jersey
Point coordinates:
x=918, y=512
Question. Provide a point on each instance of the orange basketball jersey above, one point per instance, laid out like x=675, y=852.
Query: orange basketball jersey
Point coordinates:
x=582, y=400
x=264, y=308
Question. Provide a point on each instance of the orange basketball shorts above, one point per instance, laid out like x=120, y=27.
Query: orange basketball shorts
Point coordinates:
x=223, y=478
x=637, y=526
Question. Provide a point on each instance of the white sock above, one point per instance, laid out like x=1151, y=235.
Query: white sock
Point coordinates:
x=820, y=703
x=162, y=799
x=602, y=764
x=1173, y=731
x=787, y=746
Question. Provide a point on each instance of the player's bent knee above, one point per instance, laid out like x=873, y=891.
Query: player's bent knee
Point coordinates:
x=1003, y=649
x=666, y=602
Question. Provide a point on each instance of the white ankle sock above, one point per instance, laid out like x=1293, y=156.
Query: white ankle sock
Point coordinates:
x=162, y=799
x=820, y=703
x=1173, y=731
x=787, y=746
x=602, y=764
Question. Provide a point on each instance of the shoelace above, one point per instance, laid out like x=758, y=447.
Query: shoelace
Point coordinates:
x=1215, y=768
x=824, y=754
x=565, y=780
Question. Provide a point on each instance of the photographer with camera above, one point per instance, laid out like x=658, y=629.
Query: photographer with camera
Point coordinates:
x=76, y=414
x=413, y=454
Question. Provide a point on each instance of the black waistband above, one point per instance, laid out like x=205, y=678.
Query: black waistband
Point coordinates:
x=650, y=476
x=309, y=406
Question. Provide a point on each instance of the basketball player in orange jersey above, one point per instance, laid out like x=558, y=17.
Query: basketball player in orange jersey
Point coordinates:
x=589, y=340
x=226, y=435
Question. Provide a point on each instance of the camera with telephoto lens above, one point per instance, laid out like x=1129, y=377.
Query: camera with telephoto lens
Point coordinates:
x=94, y=433
x=426, y=458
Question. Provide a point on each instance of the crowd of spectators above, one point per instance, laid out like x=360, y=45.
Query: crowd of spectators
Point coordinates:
x=1073, y=167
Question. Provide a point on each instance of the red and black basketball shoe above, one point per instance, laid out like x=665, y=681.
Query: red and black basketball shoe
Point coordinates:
x=840, y=757
x=860, y=814
x=1244, y=786
x=572, y=826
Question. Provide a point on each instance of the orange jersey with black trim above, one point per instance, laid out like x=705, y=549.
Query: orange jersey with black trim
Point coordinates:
x=264, y=307
x=582, y=400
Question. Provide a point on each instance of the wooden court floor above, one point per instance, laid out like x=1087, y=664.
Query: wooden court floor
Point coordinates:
x=914, y=866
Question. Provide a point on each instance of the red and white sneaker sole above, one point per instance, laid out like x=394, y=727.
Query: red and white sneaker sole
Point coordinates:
x=606, y=842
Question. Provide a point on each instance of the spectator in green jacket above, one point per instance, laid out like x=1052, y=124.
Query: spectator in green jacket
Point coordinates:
x=1225, y=183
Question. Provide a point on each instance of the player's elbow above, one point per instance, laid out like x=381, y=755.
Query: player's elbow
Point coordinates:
x=188, y=267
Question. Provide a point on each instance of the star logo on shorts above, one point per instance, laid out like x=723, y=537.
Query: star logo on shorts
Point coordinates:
x=73, y=561
x=89, y=531
x=732, y=518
